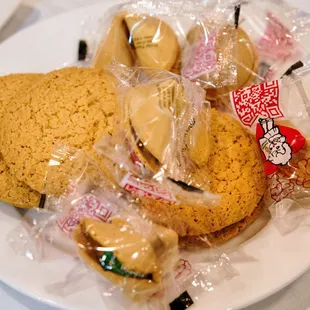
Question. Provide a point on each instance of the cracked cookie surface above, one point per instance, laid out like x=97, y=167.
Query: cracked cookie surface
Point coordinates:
x=13, y=191
x=235, y=172
x=70, y=106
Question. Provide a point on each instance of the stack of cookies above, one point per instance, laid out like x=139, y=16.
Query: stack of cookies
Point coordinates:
x=235, y=170
x=75, y=107
x=71, y=106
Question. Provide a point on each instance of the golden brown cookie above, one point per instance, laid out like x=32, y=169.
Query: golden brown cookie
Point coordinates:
x=11, y=85
x=70, y=106
x=235, y=172
x=13, y=191
x=223, y=235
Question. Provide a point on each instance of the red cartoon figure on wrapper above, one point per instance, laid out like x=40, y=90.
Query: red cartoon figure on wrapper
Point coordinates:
x=273, y=144
x=277, y=143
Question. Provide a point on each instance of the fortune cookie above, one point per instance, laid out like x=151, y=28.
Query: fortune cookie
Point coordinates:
x=243, y=56
x=115, y=46
x=155, y=43
x=246, y=60
x=130, y=261
x=160, y=114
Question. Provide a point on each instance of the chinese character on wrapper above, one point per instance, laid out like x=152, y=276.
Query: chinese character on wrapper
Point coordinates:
x=146, y=189
x=87, y=206
x=258, y=100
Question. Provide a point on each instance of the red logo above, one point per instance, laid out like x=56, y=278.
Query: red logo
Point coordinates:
x=87, y=206
x=258, y=100
x=277, y=143
x=147, y=189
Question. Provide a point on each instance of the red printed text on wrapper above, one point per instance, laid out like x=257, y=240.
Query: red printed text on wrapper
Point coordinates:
x=277, y=43
x=301, y=172
x=146, y=189
x=281, y=186
x=87, y=207
x=201, y=58
x=183, y=269
x=286, y=181
x=258, y=100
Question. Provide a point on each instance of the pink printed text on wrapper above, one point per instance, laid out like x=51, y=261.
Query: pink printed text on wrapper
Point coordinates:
x=146, y=189
x=87, y=207
x=201, y=58
x=277, y=43
x=256, y=101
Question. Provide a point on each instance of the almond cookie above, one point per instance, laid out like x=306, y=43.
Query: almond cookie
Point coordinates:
x=11, y=85
x=221, y=236
x=13, y=191
x=70, y=106
x=236, y=173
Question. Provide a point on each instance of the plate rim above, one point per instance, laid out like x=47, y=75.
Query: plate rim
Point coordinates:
x=14, y=7
x=46, y=301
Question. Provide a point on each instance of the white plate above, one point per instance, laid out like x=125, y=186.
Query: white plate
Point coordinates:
x=301, y=4
x=7, y=8
x=272, y=261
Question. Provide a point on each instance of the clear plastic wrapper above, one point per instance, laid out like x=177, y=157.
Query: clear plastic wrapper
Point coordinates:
x=227, y=160
x=133, y=262
x=71, y=173
x=271, y=37
x=79, y=190
x=280, y=35
x=161, y=134
x=130, y=254
x=278, y=112
x=222, y=45
x=189, y=38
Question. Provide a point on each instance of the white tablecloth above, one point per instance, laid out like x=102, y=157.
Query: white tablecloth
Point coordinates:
x=293, y=297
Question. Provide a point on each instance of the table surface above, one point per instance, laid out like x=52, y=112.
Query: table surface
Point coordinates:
x=294, y=297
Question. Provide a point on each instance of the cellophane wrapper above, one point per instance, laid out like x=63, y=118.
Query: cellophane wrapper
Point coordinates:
x=193, y=38
x=278, y=113
x=280, y=33
x=130, y=260
x=161, y=136
x=77, y=189
x=271, y=36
